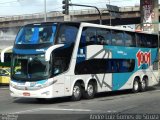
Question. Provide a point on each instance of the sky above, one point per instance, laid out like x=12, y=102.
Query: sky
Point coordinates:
x=18, y=7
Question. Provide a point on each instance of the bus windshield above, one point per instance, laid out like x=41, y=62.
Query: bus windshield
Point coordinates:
x=30, y=67
x=36, y=34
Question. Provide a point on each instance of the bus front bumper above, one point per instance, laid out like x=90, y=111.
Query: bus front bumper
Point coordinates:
x=46, y=92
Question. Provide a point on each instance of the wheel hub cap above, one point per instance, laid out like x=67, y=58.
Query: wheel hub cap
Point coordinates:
x=90, y=90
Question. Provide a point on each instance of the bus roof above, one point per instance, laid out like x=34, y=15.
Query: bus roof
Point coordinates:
x=92, y=25
x=115, y=28
x=50, y=23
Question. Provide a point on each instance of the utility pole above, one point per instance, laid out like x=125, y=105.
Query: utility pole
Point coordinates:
x=110, y=21
x=45, y=13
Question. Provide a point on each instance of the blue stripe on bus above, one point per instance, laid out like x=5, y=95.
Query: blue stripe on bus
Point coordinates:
x=120, y=79
x=53, y=33
x=28, y=51
x=41, y=81
x=35, y=36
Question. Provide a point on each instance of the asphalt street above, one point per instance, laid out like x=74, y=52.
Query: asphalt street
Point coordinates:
x=104, y=104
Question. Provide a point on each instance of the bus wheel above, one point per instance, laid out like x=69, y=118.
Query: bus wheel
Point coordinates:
x=143, y=85
x=77, y=92
x=136, y=86
x=89, y=94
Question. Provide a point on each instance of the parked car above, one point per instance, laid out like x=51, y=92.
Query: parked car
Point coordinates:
x=4, y=75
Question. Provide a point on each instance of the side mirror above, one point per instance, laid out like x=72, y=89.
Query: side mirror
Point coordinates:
x=3, y=52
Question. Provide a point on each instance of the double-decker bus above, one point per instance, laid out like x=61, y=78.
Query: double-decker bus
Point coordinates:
x=81, y=59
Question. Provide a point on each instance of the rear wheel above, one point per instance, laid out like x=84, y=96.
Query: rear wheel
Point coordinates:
x=90, y=92
x=77, y=92
x=143, y=86
x=136, y=86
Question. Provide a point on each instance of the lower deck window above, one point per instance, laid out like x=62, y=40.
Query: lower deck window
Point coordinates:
x=100, y=66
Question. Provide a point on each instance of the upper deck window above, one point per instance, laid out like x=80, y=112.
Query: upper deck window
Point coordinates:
x=66, y=34
x=130, y=40
x=95, y=36
x=36, y=34
x=117, y=38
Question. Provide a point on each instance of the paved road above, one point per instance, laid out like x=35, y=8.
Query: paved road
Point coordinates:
x=123, y=102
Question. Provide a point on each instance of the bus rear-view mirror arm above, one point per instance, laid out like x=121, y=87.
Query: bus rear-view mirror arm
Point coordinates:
x=50, y=49
x=3, y=52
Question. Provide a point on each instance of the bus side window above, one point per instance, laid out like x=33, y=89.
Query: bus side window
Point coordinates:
x=67, y=34
x=154, y=39
x=103, y=36
x=89, y=36
x=117, y=38
x=141, y=40
x=115, y=66
x=108, y=37
x=151, y=41
x=130, y=39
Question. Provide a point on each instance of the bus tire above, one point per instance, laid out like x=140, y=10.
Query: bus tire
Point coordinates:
x=143, y=86
x=90, y=92
x=77, y=92
x=136, y=86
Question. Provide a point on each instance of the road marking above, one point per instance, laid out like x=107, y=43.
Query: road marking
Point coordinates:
x=113, y=111
x=60, y=109
x=53, y=109
x=157, y=90
x=26, y=111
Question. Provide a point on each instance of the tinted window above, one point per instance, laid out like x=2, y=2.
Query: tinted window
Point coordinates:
x=146, y=40
x=95, y=36
x=90, y=35
x=130, y=40
x=140, y=40
x=103, y=36
x=154, y=39
x=117, y=38
x=61, y=59
x=35, y=34
x=67, y=34
x=100, y=66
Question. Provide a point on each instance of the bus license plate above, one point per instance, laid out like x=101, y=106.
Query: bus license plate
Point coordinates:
x=26, y=94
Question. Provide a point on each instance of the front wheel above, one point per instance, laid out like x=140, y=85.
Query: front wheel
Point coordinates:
x=77, y=92
x=136, y=86
x=90, y=92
